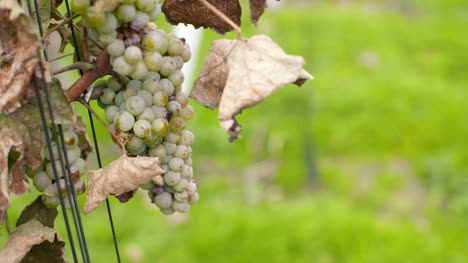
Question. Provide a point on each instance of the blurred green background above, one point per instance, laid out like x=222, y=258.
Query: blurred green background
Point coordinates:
x=366, y=163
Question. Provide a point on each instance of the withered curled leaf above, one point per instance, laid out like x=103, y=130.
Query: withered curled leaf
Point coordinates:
x=239, y=74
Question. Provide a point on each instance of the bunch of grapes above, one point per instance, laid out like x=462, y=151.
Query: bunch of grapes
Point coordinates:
x=150, y=107
x=43, y=177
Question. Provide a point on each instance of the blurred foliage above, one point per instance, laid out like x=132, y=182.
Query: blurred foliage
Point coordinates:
x=366, y=163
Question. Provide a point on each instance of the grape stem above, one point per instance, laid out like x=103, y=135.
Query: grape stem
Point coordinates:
x=117, y=139
x=84, y=66
x=56, y=27
x=7, y=223
x=64, y=56
x=223, y=16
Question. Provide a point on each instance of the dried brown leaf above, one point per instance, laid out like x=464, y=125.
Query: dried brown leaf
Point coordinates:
x=18, y=55
x=196, y=13
x=251, y=70
x=80, y=129
x=33, y=242
x=257, y=7
x=123, y=175
x=36, y=210
x=20, y=134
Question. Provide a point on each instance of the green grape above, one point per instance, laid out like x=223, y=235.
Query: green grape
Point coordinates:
x=107, y=96
x=152, y=75
x=174, y=107
x=41, y=180
x=72, y=155
x=168, y=66
x=163, y=200
x=50, y=172
x=113, y=84
x=172, y=137
x=166, y=86
x=133, y=55
x=160, y=127
x=155, y=13
x=187, y=112
x=193, y=198
x=177, y=78
x=141, y=19
x=53, y=145
x=70, y=138
x=160, y=99
x=191, y=188
x=158, y=151
x=141, y=152
x=154, y=41
x=180, y=195
x=135, y=105
x=152, y=140
x=111, y=111
x=50, y=202
x=151, y=85
x=159, y=112
x=167, y=211
x=182, y=152
x=170, y=36
x=78, y=166
x=122, y=67
x=134, y=144
x=116, y=48
x=129, y=93
x=148, y=115
x=172, y=178
x=179, y=62
x=110, y=24
x=142, y=128
x=119, y=99
x=170, y=147
x=153, y=60
x=76, y=149
x=177, y=124
x=175, y=47
x=140, y=71
x=187, y=54
x=108, y=38
x=134, y=84
x=80, y=6
x=176, y=164
x=147, y=186
x=186, y=138
x=185, y=173
x=94, y=19
x=180, y=187
x=145, y=95
x=181, y=206
x=124, y=121
x=80, y=187
x=146, y=5
x=167, y=159
x=126, y=13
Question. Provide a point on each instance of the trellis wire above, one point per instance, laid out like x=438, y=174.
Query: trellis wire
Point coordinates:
x=63, y=159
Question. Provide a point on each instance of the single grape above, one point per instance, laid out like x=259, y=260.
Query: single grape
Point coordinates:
x=160, y=127
x=152, y=140
x=166, y=86
x=187, y=54
x=78, y=166
x=93, y=18
x=111, y=111
x=181, y=206
x=72, y=155
x=135, y=105
x=134, y=84
x=134, y=144
x=146, y=5
x=186, y=138
x=129, y=93
x=193, y=198
x=181, y=196
x=122, y=67
x=176, y=164
x=168, y=66
x=163, y=200
x=146, y=96
x=70, y=138
x=107, y=96
x=151, y=85
x=172, y=178
x=140, y=70
x=108, y=38
x=167, y=211
x=142, y=128
x=80, y=187
x=179, y=62
x=185, y=173
x=153, y=60
x=154, y=41
x=148, y=115
x=110, y=24
x=116, y=48
x=159, y=112
x=175, y=47
x=187, y=112
x=141, y=19
x=182, y=152
x=119, y=99
x=174, y=107
x=50, y=202
x=124, y=121
x=55, y=154
x=148, y=186
x=155, y=13
x=172, y=137
x=126, y=13
x=180, y=187
x=41, y=180
x=152, y=75
x=170, y=147
x=133, y=55
x=177, y=124
x=160, y=99
x=158, y=151
x=191, y=188
x=177, y=78
x=80, y=6
x=167, y=159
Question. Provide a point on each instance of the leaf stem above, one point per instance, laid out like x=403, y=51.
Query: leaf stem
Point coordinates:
x=84, y=66
x=223, y=16
x=56, y=27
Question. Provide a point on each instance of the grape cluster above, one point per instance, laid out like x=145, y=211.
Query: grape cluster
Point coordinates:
x=43, y=177
x=150, y=107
